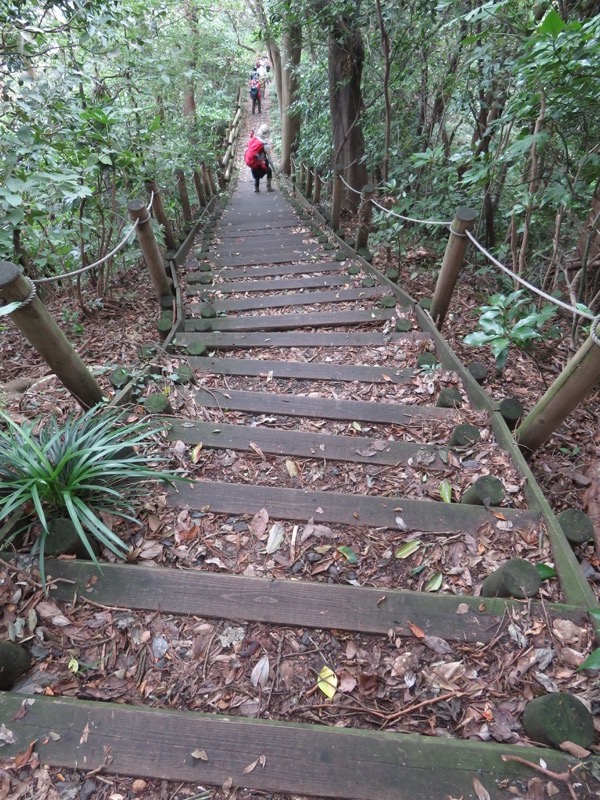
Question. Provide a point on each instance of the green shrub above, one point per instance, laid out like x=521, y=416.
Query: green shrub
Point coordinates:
x=75, y=470
x=509, y=319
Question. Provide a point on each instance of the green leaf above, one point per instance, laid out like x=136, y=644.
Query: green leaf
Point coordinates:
x=348, y=554
x=545, y=572
x=434, y=583
x=552, y=24
x=446, y=491
x=592, y=661
x=408, y=549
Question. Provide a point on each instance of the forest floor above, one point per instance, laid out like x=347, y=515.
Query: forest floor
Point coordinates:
x=121, y=655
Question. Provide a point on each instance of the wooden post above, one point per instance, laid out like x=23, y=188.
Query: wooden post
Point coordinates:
x=183, y=195
x=364, y=217
x=577, y=379
x=317, y=190
x=199, y=188
x=309, y=182
x=205, y=181
x=464, y=220
x=38, y=327
x=336, y=199
x=161, y=216
x=302, y=180
x=211, y=180
x=221, y=179
x=149, y=247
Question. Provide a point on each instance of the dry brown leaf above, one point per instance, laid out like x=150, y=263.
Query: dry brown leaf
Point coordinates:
x=258, y=523
x=416, y=631
x=138, y=786
x=227, y=784
x=257, y=450
x=260, y=673
x=480, y=790
x=574, y=749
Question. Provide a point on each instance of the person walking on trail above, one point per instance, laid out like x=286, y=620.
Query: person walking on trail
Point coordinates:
x=255, y=94
x=258, y=157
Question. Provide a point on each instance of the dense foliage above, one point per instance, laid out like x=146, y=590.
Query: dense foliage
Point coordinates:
x=487, y=104
x=96, y=96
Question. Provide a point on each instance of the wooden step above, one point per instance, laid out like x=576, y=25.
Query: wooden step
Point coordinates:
x=297, y=299
x=304, y=604
x=316, y=282
x=231, y=273
x=293, y=405
x=244, y=341
x=355, y=449
x=286, y=322
x=272, y=242
x=348, y=509
x=307, y=253
x=301, y=370
x=298, y=758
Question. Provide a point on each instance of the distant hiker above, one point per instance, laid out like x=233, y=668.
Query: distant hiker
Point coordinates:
x=262, y=77
x=255, y=94
x=257, y=157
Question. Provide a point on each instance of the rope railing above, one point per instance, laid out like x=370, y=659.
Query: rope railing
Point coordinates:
x=105, y=258
x=532, y=288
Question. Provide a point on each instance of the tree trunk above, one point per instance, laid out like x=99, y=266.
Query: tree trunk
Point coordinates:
x=290, y=122
x=345, y=65
x=385, y=46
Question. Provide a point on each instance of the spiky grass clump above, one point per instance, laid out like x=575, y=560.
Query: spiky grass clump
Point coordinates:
x=78, y=470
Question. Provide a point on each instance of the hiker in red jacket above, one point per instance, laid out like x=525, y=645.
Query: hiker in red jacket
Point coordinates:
x=257, y=157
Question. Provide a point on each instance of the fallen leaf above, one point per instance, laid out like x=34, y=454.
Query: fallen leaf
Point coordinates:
x=348, y=554
x=401, y=524
x=462, y=608
x=227, y=784
x=480, y=790
x=199, y=754
x=6, y=735
x=258, y=523
x=574, y=749
x=85, y=733
x=257, y=450
x=416, y=631
x=434, y=583
x=292, y=469
x=437, y=644
x=276, y=536
x=328, y=682
x=196, y=453
x=138, y=786
x=262, y=760
x=260, y=673
x=408, y=549
x=22, y=759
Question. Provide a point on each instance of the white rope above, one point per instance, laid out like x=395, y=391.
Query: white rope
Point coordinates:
x=412, y=219
x=348, y=185
x=116, y=249
x=534, y=289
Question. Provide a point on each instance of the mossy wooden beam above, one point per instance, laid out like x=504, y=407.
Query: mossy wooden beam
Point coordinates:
x=38, y=327
x=183, y=195
x=577, y=379
x=299, y=759
x=199, y=188
x=464, y=220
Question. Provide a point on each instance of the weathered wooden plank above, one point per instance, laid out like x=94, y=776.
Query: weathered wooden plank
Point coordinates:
x=250, y=223
x=354, y=449
x=274, y=257
x=286, y=322
x=276, y=240
x=292, y=405
x=298, y=758
x=334, y=339
x=231, y=232
x=231, y=273
x=349, y=509
x=301, y=370
x=296, y=299
x=275, y=285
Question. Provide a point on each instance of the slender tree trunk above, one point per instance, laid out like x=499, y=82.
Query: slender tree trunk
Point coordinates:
x=290, y=122
x=345, y=65
x=385, y=46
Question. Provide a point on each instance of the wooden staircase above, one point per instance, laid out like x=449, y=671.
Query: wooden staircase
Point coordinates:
x=295, y=331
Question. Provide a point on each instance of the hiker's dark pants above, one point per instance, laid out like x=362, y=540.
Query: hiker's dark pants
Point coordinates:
x=255, y=103
x=260, y=172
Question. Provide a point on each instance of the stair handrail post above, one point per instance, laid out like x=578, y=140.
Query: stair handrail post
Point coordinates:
x=336, y=198
x=205, y=181
x=309, y=182
x=42, y=332
x=464, y=220
x=211, y=180
x=183, y=195
x=302, y=180
x=149, y=247
x=578, y=378
x=365, y=212
x=161, y=215
x=199, y=188
x=316, y=198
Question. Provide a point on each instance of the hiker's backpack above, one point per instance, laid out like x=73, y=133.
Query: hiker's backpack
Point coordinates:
x=254, y=155
x=253, y=92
